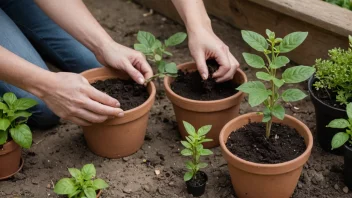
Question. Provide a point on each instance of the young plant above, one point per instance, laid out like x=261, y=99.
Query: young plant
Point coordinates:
x=272, y=47
x=82, y=184
x=13, y=118
x=194, y=148
x=155, y=50
x=335, y=73
x=341, y=138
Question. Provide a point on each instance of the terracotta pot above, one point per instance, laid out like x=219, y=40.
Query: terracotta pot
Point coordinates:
x=253, y=180
x=199, y=113
x=118, y=137
x=10, y=159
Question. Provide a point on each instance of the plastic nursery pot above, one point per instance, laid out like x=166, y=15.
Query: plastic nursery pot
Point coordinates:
x=118, y=137
x=253, y=180
x=199, y=190
x=324, y=114
x=348, y=166
x=199, y=113
x=10, y=159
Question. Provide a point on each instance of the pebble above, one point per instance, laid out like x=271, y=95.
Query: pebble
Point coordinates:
x=146, y=188
x=300, y=185
x=125, y=159
x=48, y=186
x=318, y=178
x=171, y=183
x=345, y=189
x=337, y=187
x=35, y=181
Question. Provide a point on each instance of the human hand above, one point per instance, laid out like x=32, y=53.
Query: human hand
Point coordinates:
x=123, y=58
x=71, y=97
x=203, y=45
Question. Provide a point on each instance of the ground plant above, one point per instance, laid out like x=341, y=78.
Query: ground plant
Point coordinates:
x=341, y=138
x=194, y=148
x=82, y=184
x=272, y=48
x=334, y=74
x=155, y=50
x=13, y=118
x=342, y=3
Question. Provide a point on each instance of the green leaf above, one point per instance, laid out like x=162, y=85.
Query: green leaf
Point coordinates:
x=4, y=124
x=256, y=98
x=189, y=165
x=206, y=140
x=146, y=38
x=278, y=82
x=339, y=139
x=156, y=45
x=65, y=186
x=254, y=60
x=167, y=53
x=279, y=62
x=99, y=184
x=293, y=95
x=202, y=165
x=339, y=124
x=74, y=194
x=349, y=110
x=186, y=144
x=188, y=176
x=3, y=137
x=171, y=68
x=157, y=57
x=142, y=48
x=22, y=135
x=90, y=193
x=292, y=41
x=252, y=87
x=74, y=172
x=186, y=152
x=266, y=114
x=189, y=128
x=3, y=106
x=176, y=39
x=206, y=152
x=9, y=98
x=278, y=111
x=18, y=114
x=88, y=171
x=204, y=130
x=270, y=34
x=297, y=74
x=24, y=103
x=264, y=76
x=255, y=40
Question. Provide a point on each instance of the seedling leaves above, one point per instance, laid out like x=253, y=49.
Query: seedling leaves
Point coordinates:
x=339, y=139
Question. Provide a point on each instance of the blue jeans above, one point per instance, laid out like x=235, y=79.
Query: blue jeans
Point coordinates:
x=29, y=33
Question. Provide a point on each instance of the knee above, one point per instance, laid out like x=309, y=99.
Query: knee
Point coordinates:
x=83, y=60
x=42, y=117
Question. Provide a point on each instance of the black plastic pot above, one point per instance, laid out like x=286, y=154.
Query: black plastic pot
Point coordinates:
x=347, y=173
x=198, y=190
x=324, y=115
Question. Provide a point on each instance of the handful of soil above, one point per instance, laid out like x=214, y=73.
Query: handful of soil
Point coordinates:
x=191, y=85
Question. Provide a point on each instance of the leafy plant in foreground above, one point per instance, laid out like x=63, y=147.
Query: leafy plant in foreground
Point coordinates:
x=272, y=47
x=155, y=50
x=342, y=3
x=194, y=148
x=82, y=184
x=341, y=138
x=13, y=118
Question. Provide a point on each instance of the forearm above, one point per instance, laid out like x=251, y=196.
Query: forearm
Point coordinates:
x=23, y=74
x=74, y=17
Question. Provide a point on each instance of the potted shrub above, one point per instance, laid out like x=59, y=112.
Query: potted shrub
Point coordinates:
x=266, y=151
x=330, y=89
x=344, y=138
x=195, y=179
x=14, y=132
x=82, y=184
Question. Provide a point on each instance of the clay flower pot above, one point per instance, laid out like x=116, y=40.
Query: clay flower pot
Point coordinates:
x=199, y=113
x=253, y=180
x=10, y=160
x=118, y=137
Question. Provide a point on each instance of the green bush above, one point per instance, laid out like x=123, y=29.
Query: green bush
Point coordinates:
x=342, y=3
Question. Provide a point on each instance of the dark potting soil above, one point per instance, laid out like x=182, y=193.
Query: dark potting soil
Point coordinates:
x=250, y=143
x=199, y=180
x=191, y=85
x=328, y=97
x=127, y=92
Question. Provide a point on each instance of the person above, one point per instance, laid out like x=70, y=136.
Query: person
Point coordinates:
x=66, y=33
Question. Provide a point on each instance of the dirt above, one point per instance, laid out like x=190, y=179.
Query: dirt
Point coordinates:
x=191, y=85
x=198, y=180
x=250, y=143
x=328, y=97
x=55, y=150
x=127, y=92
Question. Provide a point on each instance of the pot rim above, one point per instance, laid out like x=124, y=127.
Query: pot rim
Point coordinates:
x=259, y=165
x=167, y=83
x=8, y=147
x=310, y=88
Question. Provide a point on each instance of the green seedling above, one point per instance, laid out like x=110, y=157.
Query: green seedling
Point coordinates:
x=194, y=148
x=155, y=50
x=13, y=118
x=341, y=138
x=258, y=93
x=82, y=184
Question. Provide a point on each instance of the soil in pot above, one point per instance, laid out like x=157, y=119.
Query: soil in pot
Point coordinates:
x=127, y=92
x=191, y=85
x=196, y=186
x=249, y=143
x=328, y=97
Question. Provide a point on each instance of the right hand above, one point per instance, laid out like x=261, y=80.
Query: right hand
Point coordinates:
x=71, y=97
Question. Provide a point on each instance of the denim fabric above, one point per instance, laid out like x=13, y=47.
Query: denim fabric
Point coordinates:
x=29, y=33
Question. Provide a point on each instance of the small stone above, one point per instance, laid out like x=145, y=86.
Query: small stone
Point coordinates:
x=345, y=189
x=146, y=188
x=300, y=185
x=317, y=178
x=171, y=183
x=48, y=186
x=337, y=187
x=35, y=181
x=157, y=172
x=127, y=190
x=125, y=159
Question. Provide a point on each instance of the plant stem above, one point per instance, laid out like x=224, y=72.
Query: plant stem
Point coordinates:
x=268, y=128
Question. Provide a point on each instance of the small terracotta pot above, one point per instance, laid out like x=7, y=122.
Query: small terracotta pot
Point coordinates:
x=118, y=137
x=199, y=113
x=10, y=159
x=253, y=180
